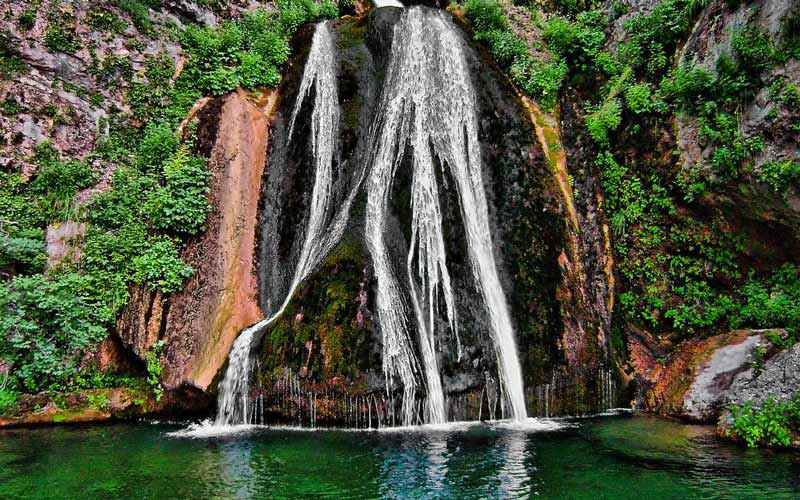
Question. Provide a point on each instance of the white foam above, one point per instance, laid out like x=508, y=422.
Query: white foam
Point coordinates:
x=207, y=429
x=387, y=3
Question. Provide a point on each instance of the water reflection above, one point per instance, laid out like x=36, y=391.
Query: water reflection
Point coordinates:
x=513, y=473
x=237, y=468
x=612, y=458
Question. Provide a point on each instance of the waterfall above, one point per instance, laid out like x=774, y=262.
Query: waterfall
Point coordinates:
x=426, y=117
x=325, y=224
x=428, y=106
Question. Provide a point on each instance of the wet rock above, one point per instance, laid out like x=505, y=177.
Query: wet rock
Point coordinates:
x=220, y=299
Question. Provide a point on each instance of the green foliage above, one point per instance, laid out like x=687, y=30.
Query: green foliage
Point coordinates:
x=485, y=15
x=45, y=327
x=138, y=11
x=61, y=34
x=154, y=370
x=8, y=400
x=603, y=119
x=10, y=62
x=98, y=401
x=626, y=199
x=638, y=98
x=753, y=50
x=27, y=19
x=111, y=68
x=771, y=303
x=770, y=425
x=654, y=36
x=538, y=77
x=160, y=266
x=732, y=148
x=247, y=52
x=580, y=42
x=780, y=174
x=61, y=38
x=180, y=205
x=105, y=20
x=26, y=252
x=57, y=182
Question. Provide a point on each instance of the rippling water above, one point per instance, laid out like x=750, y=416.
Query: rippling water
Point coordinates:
x=615, y=458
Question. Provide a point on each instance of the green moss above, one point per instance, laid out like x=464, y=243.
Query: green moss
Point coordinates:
x=328, y=306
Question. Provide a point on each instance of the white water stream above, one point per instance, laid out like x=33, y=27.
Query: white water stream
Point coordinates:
x=428, y=107
x=325, y=225
x=429, y=104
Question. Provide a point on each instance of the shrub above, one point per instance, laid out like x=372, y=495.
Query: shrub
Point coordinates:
x=771, y=424
x=105, y=20
x=8, y=400
x=507, y=47
x=57, y=183
x=771, y=303
x=753, y=50
x=159, y=266
x=652, y=36
x=61, y=38
x=780, y=174
x=539, y=79
x=180, y=205
x=484, y=15
x=26, y=253
x=638, y=98
x=45, y=327
x=138, y=11
x=604, y=119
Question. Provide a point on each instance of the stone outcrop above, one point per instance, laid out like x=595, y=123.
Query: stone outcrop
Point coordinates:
x=701, y=377
x=199, y=324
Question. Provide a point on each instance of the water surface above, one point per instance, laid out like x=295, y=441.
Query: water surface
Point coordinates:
x=614, y=458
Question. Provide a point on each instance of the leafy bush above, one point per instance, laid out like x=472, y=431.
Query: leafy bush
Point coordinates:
x=45, y=327
x=105, y=20
x=57, y=182
x=780, y=174
x=580, y=42
x=655, y=35
x=485, y=15
x=753, y=50
x=160, y=266
x=24, y=252
x=771, y=303
x=61, y=38
x=180, y=205
x=603, y=119
x=154, y=370
x=8, y=400
x=247, y=52
x=138, y=11
x=771, y=424
x=537, y=77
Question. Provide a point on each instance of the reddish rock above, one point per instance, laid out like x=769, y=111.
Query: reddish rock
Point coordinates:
x=139, y=325
x=221, y=297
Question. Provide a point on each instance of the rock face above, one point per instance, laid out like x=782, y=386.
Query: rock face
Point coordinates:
x=199, y=324
x=703, y=376
x=712, y=386
x=778, y=378
x=221, y=297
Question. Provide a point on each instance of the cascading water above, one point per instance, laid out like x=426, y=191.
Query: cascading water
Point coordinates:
x=425, y=118
x=325, y=225
x=428, y=106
